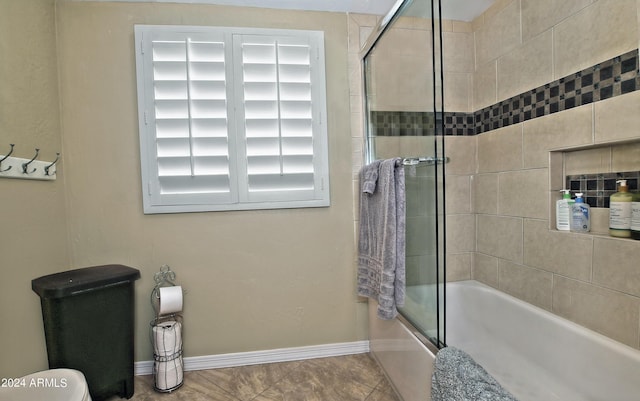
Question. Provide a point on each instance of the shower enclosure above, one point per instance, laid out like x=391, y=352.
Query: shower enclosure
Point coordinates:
x=403, y=75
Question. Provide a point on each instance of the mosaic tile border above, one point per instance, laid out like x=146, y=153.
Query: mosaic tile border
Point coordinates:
x=597, y=188
x=617, y=76
x=614, y=77
x=405, y=123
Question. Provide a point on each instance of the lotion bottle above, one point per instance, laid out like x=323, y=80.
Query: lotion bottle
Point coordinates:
x=635, y=216
x=563, y=211
x=620, y=211
x=580, y=216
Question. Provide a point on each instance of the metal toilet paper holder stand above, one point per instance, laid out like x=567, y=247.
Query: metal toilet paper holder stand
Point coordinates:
x=165, y=278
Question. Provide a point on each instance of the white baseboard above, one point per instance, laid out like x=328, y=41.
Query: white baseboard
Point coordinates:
x=259, y=357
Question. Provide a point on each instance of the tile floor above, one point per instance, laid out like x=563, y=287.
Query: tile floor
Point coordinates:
x=343, y=378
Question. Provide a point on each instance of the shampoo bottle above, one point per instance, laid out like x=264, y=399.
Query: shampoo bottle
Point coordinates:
x=620, y=211
x=580, y=216
x=635, y=216
x=563, y=211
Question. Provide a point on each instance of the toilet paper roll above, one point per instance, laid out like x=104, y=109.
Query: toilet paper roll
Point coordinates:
x=169, y=374
x=167, y=338
x=170, y=299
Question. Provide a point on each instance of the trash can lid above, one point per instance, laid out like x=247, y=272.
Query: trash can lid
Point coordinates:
x=67, y=283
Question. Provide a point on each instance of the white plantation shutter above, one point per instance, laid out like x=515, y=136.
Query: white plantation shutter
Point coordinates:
x=231, y=118
x=277, y=117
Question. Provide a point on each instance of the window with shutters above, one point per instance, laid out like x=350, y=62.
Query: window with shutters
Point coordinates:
x=231, y=118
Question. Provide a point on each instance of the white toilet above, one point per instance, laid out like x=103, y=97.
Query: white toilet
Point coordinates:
x=50, y=385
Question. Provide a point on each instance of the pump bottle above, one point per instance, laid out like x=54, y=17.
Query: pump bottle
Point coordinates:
x=563, y=211
x=580, y=216
x=620, y=211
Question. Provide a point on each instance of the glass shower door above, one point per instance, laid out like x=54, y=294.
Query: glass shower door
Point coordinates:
x=403, y=92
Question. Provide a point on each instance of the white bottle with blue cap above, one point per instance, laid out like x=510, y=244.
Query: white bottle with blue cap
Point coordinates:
x=580, y=215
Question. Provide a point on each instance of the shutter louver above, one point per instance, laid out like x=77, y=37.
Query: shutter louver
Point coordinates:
x=278, y=128
x=191, y=122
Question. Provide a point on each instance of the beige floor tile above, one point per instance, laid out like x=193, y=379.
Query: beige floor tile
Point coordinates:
x=246, y=382
x=344, y=378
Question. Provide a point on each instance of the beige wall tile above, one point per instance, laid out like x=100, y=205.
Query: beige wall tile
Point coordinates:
x=398, y=40
x=392, y=91
x=364, y=34
x=600, y=220
x=500, y=150
x=556, y=169
x=419, y=235
x=461, y=151
x=459, y=266
x=416, y=274
x=462, y=26
x=485, y=269
x=500, y=237
x=420, y=192
x=447, y=25
x=458, y=51
x=398, y=54
x=424, y=24
x=530, y=285
x=418, y=146
x=569, y=128
x=540, y=15
x=499, y=34
x=461, y=233
x=603, y=30
x=558, y=252
x=485, y=193
x=458, y=194
x=360, y=27
x=457, y=91
x=588, y=161
x=529, y=66
x=363, y=19
x=626, y=158
x=617, y=118
x=616, y=264
x=485, y=85
x=403, y=146
x=355, y=77
x=608, y=312
x=387, y=147
x=524, y=193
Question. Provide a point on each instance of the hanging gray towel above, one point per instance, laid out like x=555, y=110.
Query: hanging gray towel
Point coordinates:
x=457, y=377
x=381, y=244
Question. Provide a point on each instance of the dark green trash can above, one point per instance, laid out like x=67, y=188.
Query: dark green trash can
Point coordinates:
x=88, y=319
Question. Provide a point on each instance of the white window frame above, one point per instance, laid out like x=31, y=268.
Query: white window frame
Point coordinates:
x=250, y=175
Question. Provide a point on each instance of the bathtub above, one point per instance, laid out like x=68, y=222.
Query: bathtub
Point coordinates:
x=534, y=354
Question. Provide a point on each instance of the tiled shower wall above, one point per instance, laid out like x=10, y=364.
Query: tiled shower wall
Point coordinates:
x=614, y=77
x=591, y=279
x=502, y=183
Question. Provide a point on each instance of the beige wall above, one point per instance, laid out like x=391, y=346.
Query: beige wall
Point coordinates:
x=33, y=228
x=255, y=280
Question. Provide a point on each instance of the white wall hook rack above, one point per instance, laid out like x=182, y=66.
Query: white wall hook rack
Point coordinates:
x=27, y=169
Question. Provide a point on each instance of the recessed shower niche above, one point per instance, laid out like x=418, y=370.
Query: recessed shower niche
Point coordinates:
x=594, y=170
